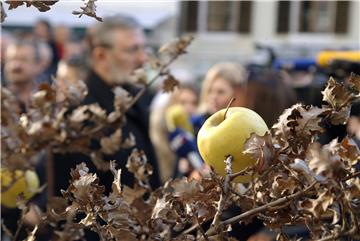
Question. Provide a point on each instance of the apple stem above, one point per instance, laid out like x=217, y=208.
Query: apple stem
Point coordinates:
x=228, y=106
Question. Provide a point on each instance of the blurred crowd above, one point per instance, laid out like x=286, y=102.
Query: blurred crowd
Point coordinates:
x=165, y=125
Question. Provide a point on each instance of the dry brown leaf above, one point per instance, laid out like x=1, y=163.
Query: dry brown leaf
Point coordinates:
x=170, y=83
x=42, y=6
x=176, y=47
x=139, y=76
x=138, y=165
x=325, y=161
x=355, y=82
x=349, y=151
x=122, y=99
x=283, y=186
x=116, y=185
x=186, y=189
x=111, y=144
x=89, y=9
x=3, y=14
x=297, y=127
x=336, y=94
x=319, y=206
x=131, y=194
x=353, y=191
x=82, y=186
x=341, y=116
x=261, y=149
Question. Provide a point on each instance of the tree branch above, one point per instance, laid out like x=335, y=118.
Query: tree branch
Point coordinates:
x=264, y=207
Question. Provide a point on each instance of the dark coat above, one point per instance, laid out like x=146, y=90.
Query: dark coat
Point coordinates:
x=137, y=123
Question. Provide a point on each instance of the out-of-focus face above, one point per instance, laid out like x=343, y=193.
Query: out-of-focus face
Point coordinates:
x=127, y=54
x=62, y=34
x=20, y=64
x=189, y=100
x=66, y=76
x=41, y=31
x=220, y=94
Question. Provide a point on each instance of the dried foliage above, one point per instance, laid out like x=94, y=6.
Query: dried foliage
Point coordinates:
x=88, y=9
x=2, y=13
x=42, y=6
x=296, y=181
x=67, y=126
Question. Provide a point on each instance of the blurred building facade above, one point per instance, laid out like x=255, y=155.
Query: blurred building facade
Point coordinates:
x=223, y=30
x=229, y=30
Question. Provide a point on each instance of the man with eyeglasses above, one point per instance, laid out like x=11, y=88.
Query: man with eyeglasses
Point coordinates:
x=117, y=48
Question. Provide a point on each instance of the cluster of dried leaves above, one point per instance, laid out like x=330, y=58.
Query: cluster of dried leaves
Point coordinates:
x=298, y=181
x=67, y=126
x=88, y=9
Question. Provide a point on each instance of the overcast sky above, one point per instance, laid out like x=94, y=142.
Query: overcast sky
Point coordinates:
x=149, y=13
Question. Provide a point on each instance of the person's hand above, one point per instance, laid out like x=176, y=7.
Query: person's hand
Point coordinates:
x=184, y=145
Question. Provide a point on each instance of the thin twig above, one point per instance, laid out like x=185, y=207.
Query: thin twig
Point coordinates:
x=215, y=225
x=264, y=207
x=199, y=225
x=337, y=236
x=17, y=233
x=355, y=174
x=232, y=176
x=161, y=72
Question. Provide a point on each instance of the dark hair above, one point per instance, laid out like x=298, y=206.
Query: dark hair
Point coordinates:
x=269, y=96
x=45, y=22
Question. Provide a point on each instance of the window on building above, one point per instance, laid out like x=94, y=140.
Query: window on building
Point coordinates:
x=215, y=16
x=313, y=16
x=219, y=16
x=189, y=16
x=317, y=16
x=244, y=18
x=342, y=11
x=283, y=17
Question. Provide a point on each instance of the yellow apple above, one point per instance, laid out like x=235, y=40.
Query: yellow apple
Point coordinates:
x=13, y=183
x=222, y=136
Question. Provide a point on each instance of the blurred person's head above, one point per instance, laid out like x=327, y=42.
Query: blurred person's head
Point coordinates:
x=117, y=48
x=62, y=34
x=5, y=39
x=73, y=48
x=222, y=82
x=45, y=55
x=186, y=95
x=43, y=30
x=69, y=73
x=21, y=59
x=268, y=95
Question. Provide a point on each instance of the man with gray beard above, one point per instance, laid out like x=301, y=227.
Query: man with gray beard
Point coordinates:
x=117, y=48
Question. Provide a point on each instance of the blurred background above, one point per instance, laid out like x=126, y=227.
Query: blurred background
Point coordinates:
x=280, y=53
x=238, y=31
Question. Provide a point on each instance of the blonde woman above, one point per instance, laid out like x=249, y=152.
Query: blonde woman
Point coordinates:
x=222, y=82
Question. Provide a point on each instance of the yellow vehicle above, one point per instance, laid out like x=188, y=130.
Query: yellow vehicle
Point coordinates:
x=325, y=58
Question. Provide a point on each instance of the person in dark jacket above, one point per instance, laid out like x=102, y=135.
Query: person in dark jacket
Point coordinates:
x=116, y=49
